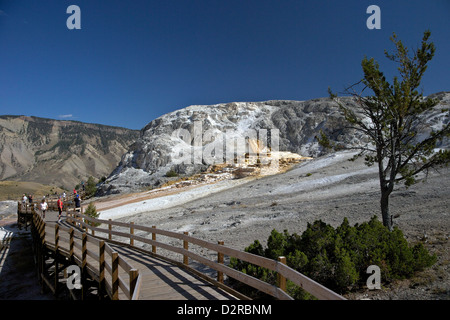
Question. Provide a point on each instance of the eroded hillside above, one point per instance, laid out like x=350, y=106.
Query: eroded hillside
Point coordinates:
x=60, y=153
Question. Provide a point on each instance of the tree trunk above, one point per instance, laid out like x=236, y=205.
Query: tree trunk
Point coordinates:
x=387, y=220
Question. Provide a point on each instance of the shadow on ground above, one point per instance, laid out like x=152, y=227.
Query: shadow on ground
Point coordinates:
x=18, y=277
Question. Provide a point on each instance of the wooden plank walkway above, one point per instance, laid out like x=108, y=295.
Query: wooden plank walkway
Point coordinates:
x=161, y=280
x=126, y=269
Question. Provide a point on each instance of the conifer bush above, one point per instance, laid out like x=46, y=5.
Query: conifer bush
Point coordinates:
x=90, y=187
x=338, y=258
x=171, y=174
x=91, y=211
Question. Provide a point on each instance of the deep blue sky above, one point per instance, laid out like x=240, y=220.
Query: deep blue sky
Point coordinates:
x=133, y=61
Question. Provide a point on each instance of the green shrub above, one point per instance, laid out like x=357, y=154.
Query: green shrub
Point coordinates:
x=421, y=257
x=90, y=187
x=252, y=270
x=338, y=258
x=91, y=211
x=171, y=174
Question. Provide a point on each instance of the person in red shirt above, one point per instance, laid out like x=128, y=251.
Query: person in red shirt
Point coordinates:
x=59, y=203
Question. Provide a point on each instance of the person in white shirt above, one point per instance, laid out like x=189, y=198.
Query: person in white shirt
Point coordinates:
x=44, y=207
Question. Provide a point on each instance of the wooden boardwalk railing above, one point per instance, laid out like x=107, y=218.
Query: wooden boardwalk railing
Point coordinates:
x=93, y=256
x=128, y=232
x=92, y=253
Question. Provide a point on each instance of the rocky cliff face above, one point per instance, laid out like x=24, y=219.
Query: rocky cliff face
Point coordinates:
x=182, y=140
x=60, y=153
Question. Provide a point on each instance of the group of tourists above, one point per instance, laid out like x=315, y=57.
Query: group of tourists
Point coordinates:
x=43, y=206
x=25, y=199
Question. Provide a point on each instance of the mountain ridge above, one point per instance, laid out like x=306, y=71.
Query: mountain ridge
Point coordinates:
x=59, y=152
x=65, y=152
x=147, y=161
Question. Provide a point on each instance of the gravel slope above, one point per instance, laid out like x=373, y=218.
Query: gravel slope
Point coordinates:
x=328, y=188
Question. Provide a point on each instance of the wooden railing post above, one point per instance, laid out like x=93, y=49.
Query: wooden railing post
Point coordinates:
x=85, y=226
x=76, y=218
x=39, y=248
x=71, y=243
x=83, y=264
x=101, y=269
x=110, y=229
x=220, y=260
x=115, y=275
x=56, y=258
x=131, y=234
x=83, y=250
x=133, y=280
x=281, y=279
x=42, y=250
x=56, y=237
x=154, y=239
x=79, y=220
x=42, y=232
x=186, y=247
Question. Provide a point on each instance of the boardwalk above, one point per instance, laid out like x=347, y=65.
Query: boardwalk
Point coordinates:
x=106, y=255
x=164, y=281
x=161, y=280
